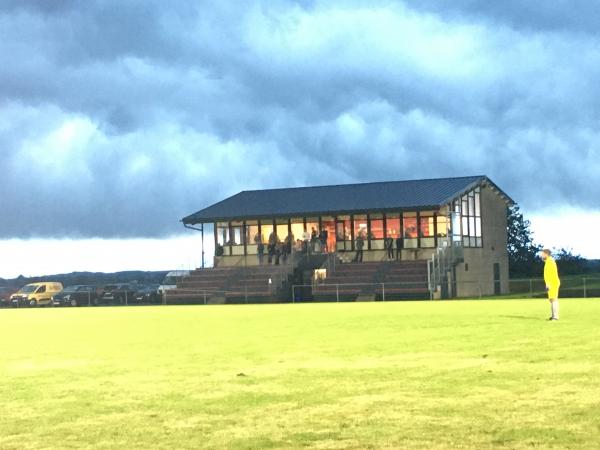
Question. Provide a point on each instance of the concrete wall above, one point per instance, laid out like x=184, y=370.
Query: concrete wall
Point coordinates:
x=475, y=276
x=368, y=256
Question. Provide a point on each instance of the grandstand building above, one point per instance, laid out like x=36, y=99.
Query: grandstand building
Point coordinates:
x=455, y=229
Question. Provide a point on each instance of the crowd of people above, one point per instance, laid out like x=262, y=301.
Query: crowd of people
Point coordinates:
x=279, y=251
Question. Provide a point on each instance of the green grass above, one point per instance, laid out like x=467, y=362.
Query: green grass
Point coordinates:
x=406, y=375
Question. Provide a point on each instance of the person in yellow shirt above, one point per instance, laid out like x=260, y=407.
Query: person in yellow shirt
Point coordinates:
x=552, y=282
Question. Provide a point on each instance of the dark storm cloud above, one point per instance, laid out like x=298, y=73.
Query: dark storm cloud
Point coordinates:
x=119, y=118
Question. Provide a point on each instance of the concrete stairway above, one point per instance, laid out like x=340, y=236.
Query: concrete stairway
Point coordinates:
x=230, y=285
x=369, y=281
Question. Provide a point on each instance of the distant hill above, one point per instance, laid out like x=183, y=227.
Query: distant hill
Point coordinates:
x=94, y=278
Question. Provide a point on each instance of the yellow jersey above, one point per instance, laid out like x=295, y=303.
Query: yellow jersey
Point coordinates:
x=551, y=273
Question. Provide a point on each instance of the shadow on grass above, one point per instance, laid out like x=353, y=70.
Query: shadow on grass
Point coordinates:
x=522, y=317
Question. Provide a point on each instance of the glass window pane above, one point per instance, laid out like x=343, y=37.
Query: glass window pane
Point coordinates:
x=328, y=231
x=377, y=229
x=252, y=236
x=297, y=229
x=282, y=229
x=456, y=230
x=465, y=226
x=266, y=229
x=442, y=226
x=478, y=204
x=222, y=233
x=410, y=226
x=471, y=205
x=360, y=226
x=472, y=226
x=393, y=225
x=343, y=228
x=236, y=236
x=312, y=227
x=426, y=224
x=478, y=226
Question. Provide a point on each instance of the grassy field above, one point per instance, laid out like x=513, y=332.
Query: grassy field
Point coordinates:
x=406, y=375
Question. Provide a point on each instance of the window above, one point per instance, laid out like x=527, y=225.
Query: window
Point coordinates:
x=328, y=225
x=312, y=226
x=266, y=228
x=297, y=228
x=410, y=230
x=470, y=218
x=442, y=226
x=377, y=231
x=236, y=241
x=427, y=229
x=376, y=226
x=252, y=237
x=236, y=233
x=222, y=233
x=392, y=225
x=360, y=226
x=282, y=229
x=343, y=233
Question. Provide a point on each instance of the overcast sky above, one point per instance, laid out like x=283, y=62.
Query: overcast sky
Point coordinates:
x=118, y=118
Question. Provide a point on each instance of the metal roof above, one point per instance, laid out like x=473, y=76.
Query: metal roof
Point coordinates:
x=339, y=199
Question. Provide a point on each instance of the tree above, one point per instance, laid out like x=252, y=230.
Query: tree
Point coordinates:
x=568, y=263
x=523, y=252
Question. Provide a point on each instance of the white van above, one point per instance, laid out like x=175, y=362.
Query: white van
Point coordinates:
x=171, y=279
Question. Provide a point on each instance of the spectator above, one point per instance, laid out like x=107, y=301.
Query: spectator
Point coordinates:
x=399, y=248
x=360, y=243
x=389, y=246
x=324, y=235
x=313, y=239
x=272, y=246
x=287, y=247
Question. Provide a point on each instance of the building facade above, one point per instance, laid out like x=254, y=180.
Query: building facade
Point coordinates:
x=417, y=218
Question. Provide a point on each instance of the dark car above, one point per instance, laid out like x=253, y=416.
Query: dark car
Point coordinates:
x=5, y=293
x=119, y=294
x=76, y=296
x=148, y=294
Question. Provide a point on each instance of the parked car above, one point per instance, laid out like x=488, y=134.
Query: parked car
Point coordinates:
x=5, y=293
x=148, y=294
x=36, y=294
x=77, y=295
x=119, y=294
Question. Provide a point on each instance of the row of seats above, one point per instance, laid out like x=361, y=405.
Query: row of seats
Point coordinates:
x=229, y=284
x=394, y=280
